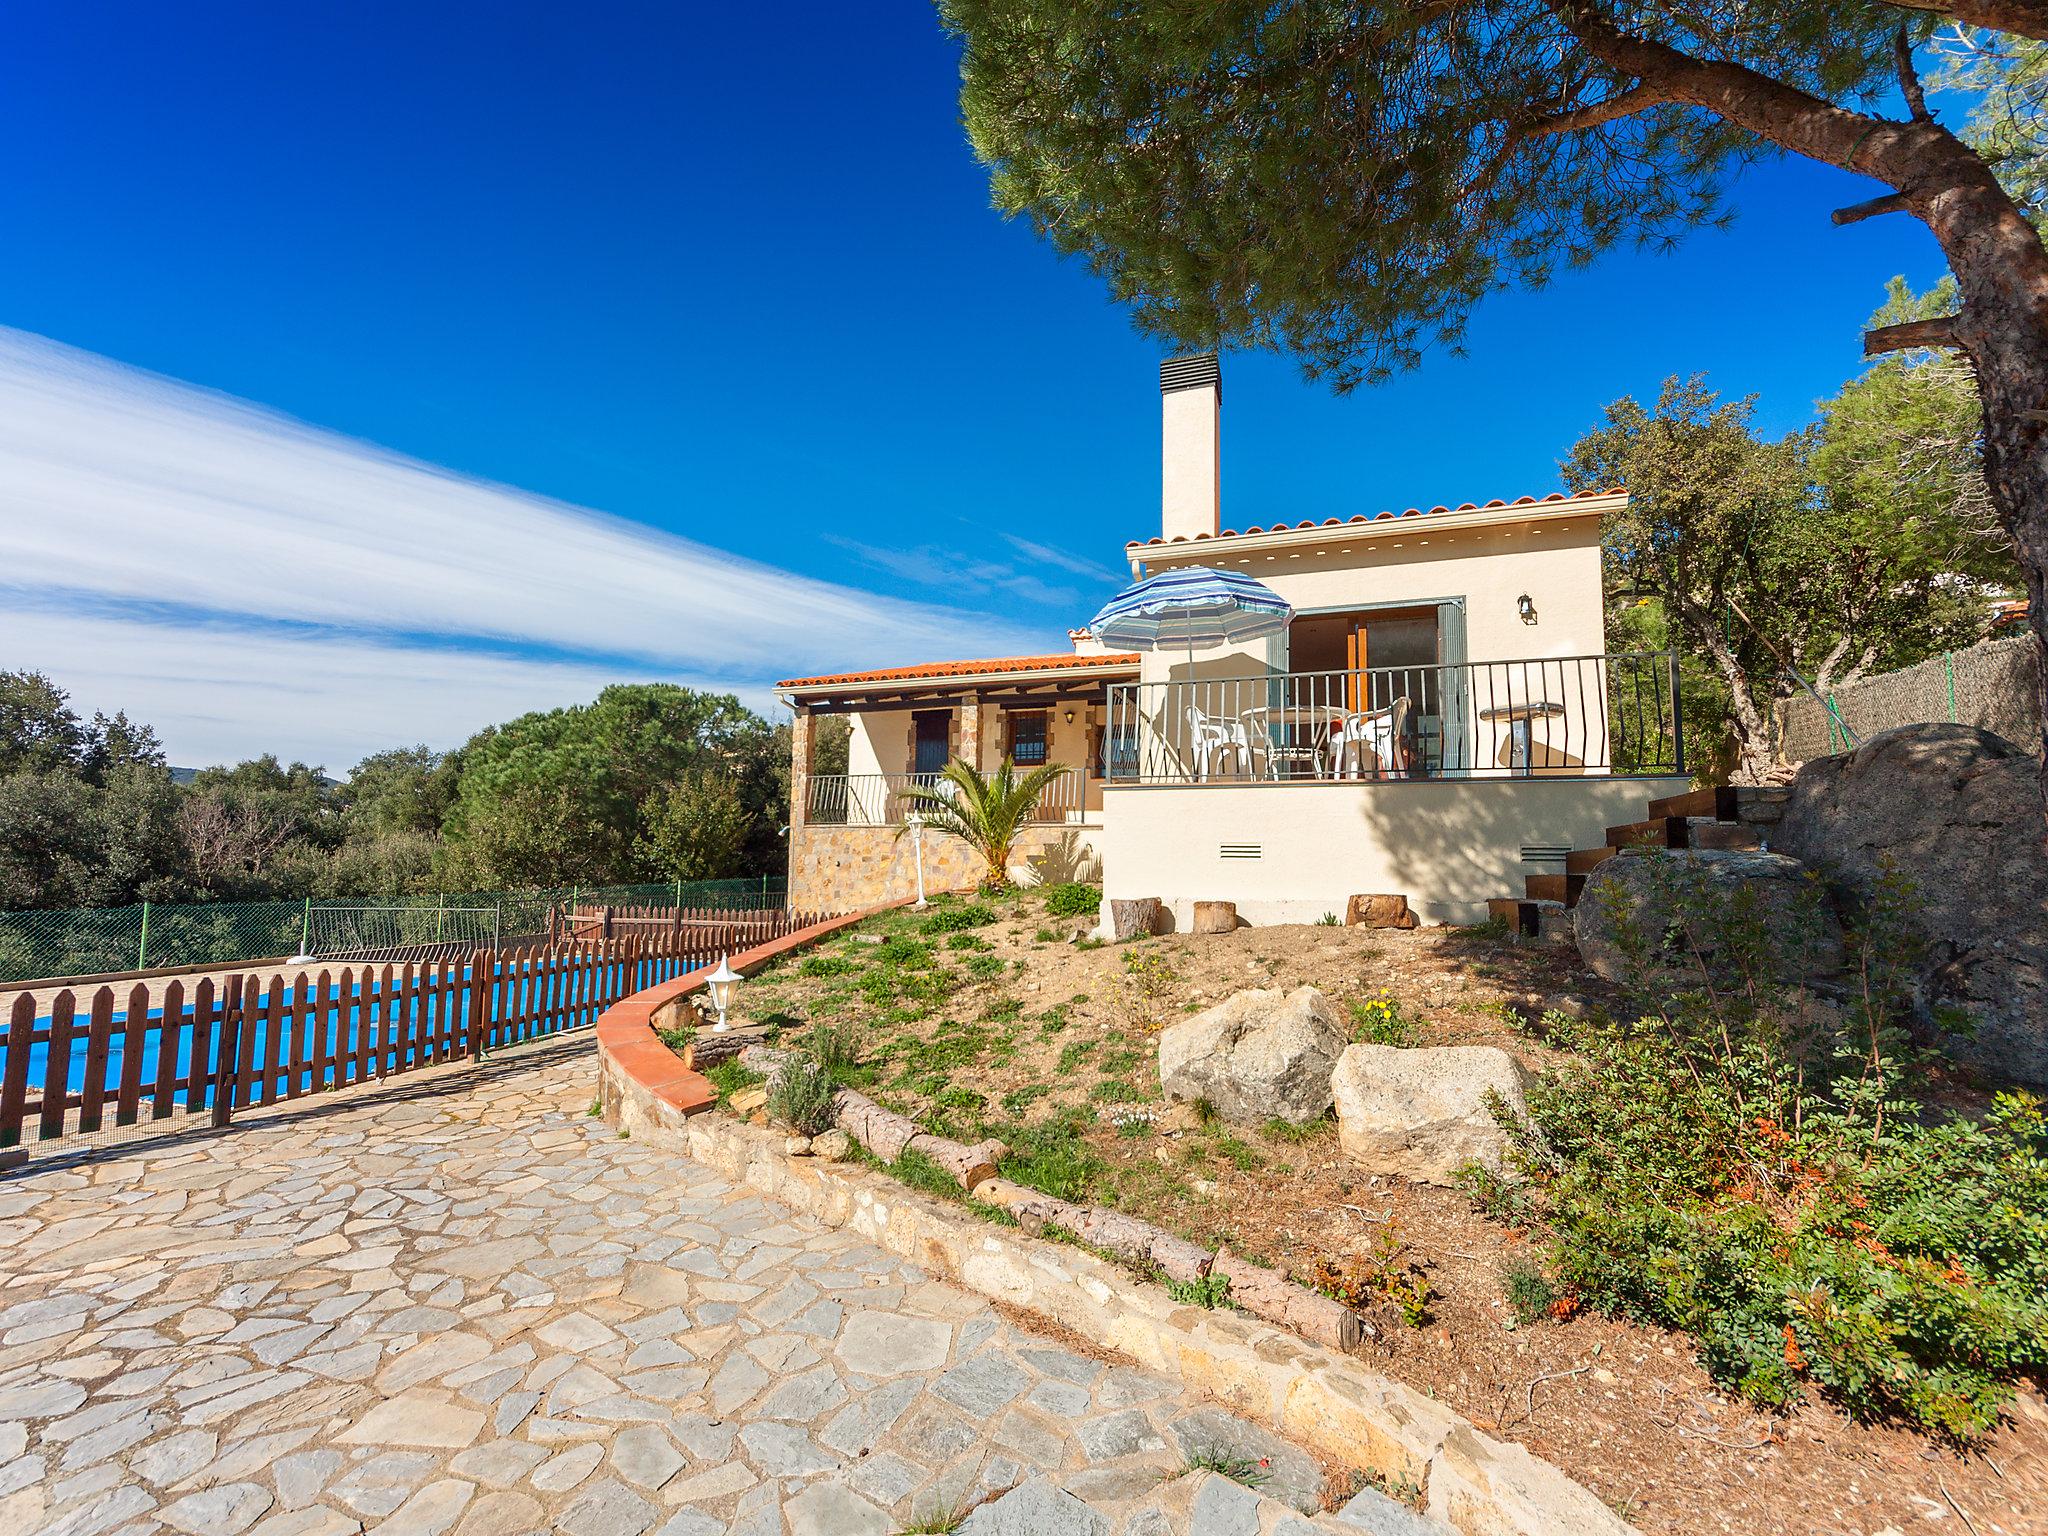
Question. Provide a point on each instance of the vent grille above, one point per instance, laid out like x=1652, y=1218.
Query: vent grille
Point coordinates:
x=1545, y=853
x=1241, y=851
x=1202, y=371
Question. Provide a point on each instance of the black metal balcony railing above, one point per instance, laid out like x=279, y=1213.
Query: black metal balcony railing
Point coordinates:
x=878, y=799
x=1540, y=717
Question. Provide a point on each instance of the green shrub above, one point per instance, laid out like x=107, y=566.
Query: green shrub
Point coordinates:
x=966, y=941
x=1752, y=1164
x=1045, y=936
x=984, y=967
x=904, y=951
x=952, y=919
x=1530, y=1294
x=801, y=1097
x=1072, y=899
x=1210, y=1291
x=833, y=1048
x=825, y=965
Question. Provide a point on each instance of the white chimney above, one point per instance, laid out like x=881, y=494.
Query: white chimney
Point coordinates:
x=1190, y=452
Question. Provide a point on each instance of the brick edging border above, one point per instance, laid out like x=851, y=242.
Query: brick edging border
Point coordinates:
x=1328, y=1401
x=640, y=1080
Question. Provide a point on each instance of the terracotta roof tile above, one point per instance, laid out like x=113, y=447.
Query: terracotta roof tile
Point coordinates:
x=1377, y=517
x=1064, y=661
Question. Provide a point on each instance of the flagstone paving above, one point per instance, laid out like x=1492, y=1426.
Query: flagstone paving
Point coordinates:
x=459, y=1304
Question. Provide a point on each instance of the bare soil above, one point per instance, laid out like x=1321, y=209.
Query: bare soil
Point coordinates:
x=1034, y=1024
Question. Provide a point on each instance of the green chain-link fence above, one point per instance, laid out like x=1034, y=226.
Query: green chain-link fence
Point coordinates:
x=91, y=941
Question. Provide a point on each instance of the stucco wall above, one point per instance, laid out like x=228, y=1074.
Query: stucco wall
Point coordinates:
x=839, y=869
x=1556, y=563
x=1448, y=845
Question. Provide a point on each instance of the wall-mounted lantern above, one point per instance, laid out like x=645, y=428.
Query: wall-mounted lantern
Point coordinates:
x=1526, y=609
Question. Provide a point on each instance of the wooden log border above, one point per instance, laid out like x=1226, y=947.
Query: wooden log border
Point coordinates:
x=1262, y=1292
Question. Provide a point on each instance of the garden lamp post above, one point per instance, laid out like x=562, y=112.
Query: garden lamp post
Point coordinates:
x=916, y=819
x=723, y=982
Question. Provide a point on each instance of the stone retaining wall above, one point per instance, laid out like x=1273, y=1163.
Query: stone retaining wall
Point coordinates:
x=835, y=867
x=1317, y=1397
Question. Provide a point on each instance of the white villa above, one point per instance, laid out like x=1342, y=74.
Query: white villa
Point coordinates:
x=1441, y=719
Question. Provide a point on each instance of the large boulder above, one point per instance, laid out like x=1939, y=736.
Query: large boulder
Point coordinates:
x=1424, y=1113
x=1258, y=1056
x=1957, y=812
x=1653, y=917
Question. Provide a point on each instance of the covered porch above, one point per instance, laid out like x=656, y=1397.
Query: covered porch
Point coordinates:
x=904, y=725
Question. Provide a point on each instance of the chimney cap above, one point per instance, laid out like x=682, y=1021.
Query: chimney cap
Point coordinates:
x=1199, y=370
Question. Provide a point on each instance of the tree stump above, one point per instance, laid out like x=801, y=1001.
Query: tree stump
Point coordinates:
x=1215, y=917
x=1128, y=919
x=1379, y=912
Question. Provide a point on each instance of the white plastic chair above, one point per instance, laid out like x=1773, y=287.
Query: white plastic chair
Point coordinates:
x=1380, y=732
x=1211, y=739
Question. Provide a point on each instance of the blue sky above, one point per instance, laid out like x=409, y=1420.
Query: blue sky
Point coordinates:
x=728, y=275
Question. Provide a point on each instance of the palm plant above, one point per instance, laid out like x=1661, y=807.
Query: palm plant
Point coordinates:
x=985, y=813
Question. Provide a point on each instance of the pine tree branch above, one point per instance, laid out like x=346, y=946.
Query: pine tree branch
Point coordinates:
x=1855, y=213
x=1626, y=103
x=2022, y=18
x=1938, y=332
x=1909, y=77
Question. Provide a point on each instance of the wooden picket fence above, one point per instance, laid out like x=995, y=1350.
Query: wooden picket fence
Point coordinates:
x=170, y=1050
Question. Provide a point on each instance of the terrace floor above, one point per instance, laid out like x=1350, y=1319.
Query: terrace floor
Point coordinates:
x=459, y=1304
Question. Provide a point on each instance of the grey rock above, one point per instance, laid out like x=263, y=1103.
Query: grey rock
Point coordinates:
x=833, y=1146
x=1371, y=1510
x=829, y=1509
x=1039, y=1507
x=301, y=1477
x=782, y=1450
x=225, y=1510
x=983, y=1385
x=1958, y=811
x=1224, y=1508
x=607, y=1508
x=1255, y=1057
x=1634, y=900
x=1291, y=1476
x=176, y=1457
x=1125, y=1433
x=1423, y=1113
x=645, y=1456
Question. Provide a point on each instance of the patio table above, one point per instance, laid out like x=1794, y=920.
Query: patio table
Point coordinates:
x=1518, y=717
x=1320, y=720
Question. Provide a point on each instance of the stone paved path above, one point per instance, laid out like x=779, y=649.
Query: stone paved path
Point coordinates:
x=460, y=1304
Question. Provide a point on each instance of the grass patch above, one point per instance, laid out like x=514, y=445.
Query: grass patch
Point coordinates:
x=1239, y=1469
x=729, y=1077
x=1072, y=899
x=1051, y=1156
x=1297, y=1131
x=957, y=919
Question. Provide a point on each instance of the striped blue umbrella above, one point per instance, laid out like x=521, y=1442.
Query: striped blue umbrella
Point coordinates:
x=1193, y=607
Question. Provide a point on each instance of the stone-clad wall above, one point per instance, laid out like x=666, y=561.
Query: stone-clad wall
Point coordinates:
x=839, y=869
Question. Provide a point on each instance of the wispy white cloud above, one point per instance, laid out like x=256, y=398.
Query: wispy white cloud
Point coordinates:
x=219, y=693
x=1059, y=559
x=168, y=507
x=964, y=575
